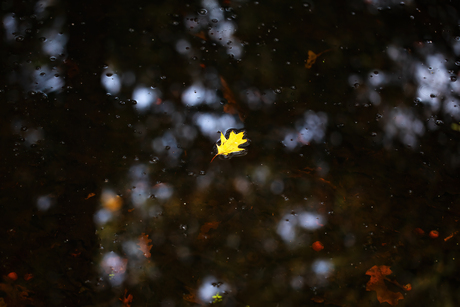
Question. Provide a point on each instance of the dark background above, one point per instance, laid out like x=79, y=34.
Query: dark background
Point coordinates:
x=358, y=150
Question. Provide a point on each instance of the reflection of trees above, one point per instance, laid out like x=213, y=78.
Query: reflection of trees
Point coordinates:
x=329, y=144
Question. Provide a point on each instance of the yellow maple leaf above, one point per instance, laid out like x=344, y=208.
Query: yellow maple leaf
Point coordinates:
x=231, y=144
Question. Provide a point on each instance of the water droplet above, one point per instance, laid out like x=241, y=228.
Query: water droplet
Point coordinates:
x=52, y=58
x=163, y=77
x=214, y=20
x=203, y=12
x=453, y=78
x=202, y=173
x=19, y=38
x=356, y=85
x=277, y=91
x=24, y=128
x=168, y=147
x=439, y=122
x=457, y=63
x=131, y=30
x=42, y=39
x=432, y=95
x=109, y=74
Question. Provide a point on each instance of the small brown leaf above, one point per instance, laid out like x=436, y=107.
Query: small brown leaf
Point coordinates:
x=377, y=284
x=126, y=299
x=206, y=228
x=144, y=245
x=312, y=58
x=90, y=195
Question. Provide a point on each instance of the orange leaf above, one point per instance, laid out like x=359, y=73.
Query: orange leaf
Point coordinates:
x=450, y=236
x=312, y=58
x=13, y=276
x=127, y=299
x=90, y=195
x=377, y=284
x=207, y=227
x=144, y=245
x=317, y=246
x=28, y=277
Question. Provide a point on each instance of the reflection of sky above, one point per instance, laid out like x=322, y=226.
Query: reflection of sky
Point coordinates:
x=197, y=94
x=433, y=81
x=379, y=4
x=208, y=289
x=144, y=97
x=212, y=20
x=404, y=124
x=210, y=124
x=55, y=43
x=10, y=25
x=47, y=80
x=114, y=264
x=44, y=202
x=162, y=191
x=167, y=144
x=322, y=268
x=140, y=181
x=287, y=226
x=312, y=127
x=111, y=81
